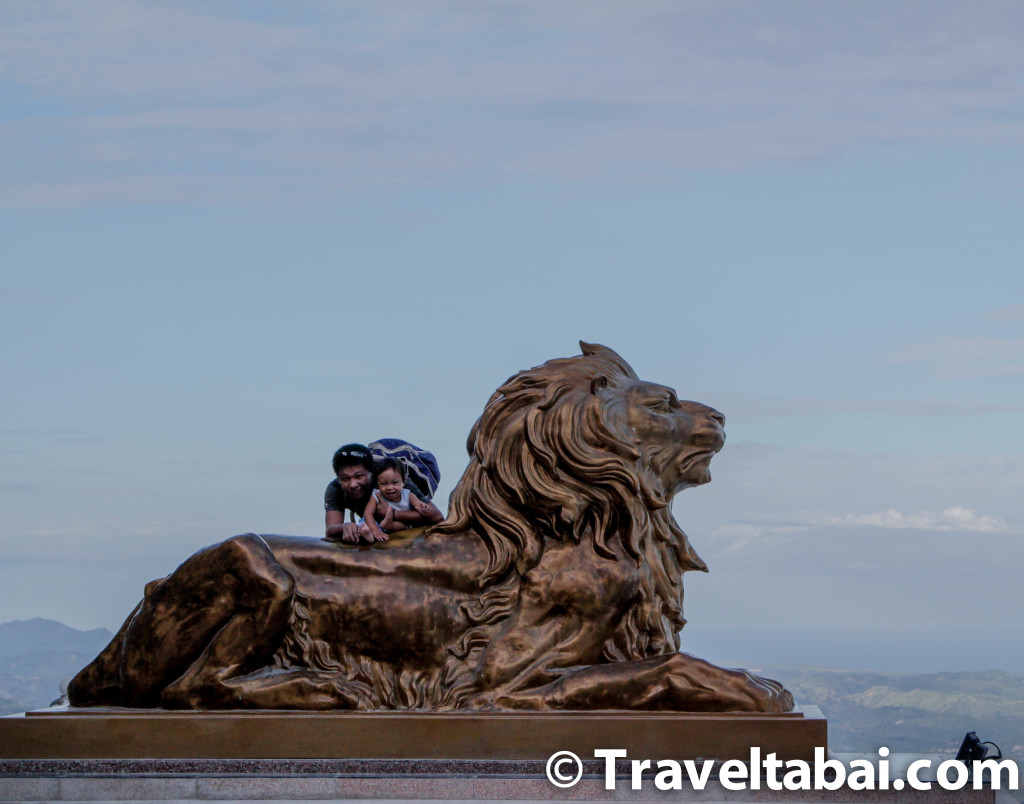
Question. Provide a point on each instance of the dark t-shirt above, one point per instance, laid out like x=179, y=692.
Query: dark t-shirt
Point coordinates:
x=335, y=499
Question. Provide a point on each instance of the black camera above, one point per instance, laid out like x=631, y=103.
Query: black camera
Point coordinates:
x=972, y=749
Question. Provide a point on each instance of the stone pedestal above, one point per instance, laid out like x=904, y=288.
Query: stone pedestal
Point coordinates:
x=63, y=733
x=117, y=755
x=401, y=780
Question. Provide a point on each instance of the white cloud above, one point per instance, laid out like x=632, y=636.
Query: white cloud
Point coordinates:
x=410, y=91
x=954, y=518
x=768, y=537
x=738, y=537
x=1008, y=312
x=966, y=358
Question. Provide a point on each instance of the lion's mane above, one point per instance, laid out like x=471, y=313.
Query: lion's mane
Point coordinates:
x=551, y=457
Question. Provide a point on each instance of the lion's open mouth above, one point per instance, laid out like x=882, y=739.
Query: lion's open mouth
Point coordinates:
x=695, y=468
x=697, y=458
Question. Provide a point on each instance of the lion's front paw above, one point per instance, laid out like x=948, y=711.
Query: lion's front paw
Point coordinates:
x=768, y=695
x=754, y=693
x=712, y=688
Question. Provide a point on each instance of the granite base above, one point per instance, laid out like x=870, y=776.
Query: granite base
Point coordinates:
x=392, y=780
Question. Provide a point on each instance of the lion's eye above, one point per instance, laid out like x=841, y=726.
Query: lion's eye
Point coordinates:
x=659, y=404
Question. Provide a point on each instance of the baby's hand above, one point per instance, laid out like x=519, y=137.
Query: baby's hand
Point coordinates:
x=427, y=510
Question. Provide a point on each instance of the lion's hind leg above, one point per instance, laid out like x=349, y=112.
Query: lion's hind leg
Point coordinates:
x=243, y=621
x=296, y=688
x=100, y=682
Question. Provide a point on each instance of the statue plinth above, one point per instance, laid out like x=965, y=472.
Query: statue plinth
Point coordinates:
x=115, y=733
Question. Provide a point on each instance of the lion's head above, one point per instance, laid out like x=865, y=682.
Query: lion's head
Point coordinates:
x=581, y=443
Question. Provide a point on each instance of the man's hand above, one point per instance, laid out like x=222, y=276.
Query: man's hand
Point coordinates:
x=337, y=530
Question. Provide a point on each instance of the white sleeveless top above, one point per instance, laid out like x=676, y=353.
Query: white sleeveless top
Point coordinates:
x=401, y=505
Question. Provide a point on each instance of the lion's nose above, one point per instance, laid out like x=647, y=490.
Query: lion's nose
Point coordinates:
x=718, y=417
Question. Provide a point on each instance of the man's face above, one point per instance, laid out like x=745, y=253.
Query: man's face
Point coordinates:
x=355, y=480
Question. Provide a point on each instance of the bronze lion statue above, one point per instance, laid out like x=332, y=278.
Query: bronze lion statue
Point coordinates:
x=554, y=583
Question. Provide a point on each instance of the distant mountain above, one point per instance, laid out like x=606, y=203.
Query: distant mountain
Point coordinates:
x=37, y=656
x=44, y=636
x=911, y=712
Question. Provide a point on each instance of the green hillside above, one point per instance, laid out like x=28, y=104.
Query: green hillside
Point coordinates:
x=33, y=681
x=912, y=713
x=37, y=655
x=37, y=635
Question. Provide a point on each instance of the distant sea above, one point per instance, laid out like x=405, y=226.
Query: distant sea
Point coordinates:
x=909, y=652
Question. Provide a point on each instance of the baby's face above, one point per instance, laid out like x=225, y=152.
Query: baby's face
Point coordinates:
x=390, y=484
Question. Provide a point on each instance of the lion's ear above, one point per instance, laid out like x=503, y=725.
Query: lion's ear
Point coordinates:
x=597, y=383
x=604, y=353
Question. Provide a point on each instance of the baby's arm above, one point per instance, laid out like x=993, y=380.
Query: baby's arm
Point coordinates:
x=430, y=512
x=375, y=533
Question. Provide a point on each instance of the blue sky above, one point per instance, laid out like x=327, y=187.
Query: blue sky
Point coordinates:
x=236, y=235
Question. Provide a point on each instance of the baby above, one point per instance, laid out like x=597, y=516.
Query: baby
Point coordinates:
x=390, y=499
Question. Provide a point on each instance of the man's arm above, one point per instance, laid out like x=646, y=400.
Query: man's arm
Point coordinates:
x=338, y=529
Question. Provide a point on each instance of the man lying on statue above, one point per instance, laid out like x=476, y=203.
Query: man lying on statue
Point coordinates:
x=353, y=490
